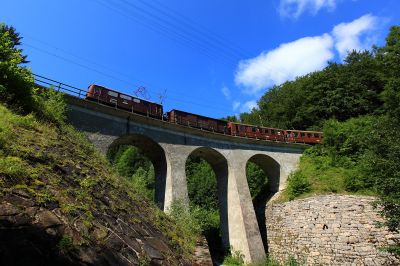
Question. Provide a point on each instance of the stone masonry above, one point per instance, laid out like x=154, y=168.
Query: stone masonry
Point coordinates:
x=329, y=230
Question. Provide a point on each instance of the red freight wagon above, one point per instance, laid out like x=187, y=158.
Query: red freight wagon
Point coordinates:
x=123, y=101
x=251, y=131
x=297, y=136
x=197, y=121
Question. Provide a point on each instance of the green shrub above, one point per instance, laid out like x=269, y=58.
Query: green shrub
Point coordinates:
x=144, y=182
x=187, y=225
x=65, y=244
x=297, y=185
x=13, y=166
x=394, y=249
x=208, y=219
x=350, y=138
x=236, y=258
x=50, y=105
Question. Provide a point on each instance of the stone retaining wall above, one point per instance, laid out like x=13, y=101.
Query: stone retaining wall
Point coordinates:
x=329, y=230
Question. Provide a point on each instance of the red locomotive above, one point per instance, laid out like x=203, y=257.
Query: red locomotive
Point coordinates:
x=123, y=101
x=133, y=104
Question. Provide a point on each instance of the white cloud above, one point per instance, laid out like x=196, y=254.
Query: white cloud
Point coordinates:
x=226, y=92
x=305, y=55
x=235, y=105
x=355, y=35
x=284, y=63
x=248, y=106
x=294, y=8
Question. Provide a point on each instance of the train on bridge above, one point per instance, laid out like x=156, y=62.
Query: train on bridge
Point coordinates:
x=134, y=104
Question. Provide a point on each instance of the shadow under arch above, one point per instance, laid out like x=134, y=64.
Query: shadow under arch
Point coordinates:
x=155, y=153
x=272, y=170
x=219, y=164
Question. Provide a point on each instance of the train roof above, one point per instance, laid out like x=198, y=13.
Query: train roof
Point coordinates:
x=294, y=130
x=198, y=115
x=124, y=94
x=249, y=125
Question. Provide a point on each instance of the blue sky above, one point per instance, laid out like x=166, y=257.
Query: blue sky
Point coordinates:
x=214, y=58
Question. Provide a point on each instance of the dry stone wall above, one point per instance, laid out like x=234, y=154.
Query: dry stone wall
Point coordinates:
x=329, y=230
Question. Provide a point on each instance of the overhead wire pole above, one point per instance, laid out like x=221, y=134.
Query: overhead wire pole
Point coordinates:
x=96, y=64
x=164, y=25
x=110, y=76
x=122, y=80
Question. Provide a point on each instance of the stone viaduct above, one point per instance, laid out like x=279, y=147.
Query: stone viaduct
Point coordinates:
x=168, y=146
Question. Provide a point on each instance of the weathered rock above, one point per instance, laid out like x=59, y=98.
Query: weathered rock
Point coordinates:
x=46, y=219
x=56, y=241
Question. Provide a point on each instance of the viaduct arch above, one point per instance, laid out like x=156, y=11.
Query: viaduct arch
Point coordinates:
x=168, y=146
x=155, y=153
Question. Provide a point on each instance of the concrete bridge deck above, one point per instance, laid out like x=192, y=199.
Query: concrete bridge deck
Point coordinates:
x=168, y=146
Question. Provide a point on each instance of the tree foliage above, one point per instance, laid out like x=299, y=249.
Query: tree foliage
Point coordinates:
x=130, y=163
x=357, y=104
x=201, y=183
x=16, y=81
x=340, y=91
x=256, y=179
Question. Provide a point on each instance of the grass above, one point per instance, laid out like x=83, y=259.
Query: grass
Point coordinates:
x=320, y=174
x=57, y=165
x=236, y=259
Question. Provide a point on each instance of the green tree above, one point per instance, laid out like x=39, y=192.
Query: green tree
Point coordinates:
x=138, y=169
x=256, y=179
x=339, y=91
x=16, y=81
x=202, y=184
x=385, y=145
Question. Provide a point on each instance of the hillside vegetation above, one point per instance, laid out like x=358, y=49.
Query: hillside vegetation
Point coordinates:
x=357, y=105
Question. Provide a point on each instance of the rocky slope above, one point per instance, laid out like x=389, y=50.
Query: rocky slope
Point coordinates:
x=60, y=204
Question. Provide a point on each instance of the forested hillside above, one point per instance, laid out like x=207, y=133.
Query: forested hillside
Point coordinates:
x=357, y=105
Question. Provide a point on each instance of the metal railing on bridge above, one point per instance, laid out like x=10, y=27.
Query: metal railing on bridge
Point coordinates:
x=59, y=86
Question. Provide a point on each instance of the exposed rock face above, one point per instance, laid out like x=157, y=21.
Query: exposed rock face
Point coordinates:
x=329, y=230
x=61, y=204
x=31, y=234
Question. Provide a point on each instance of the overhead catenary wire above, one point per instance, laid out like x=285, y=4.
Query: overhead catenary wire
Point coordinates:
x=192, y=25
x=176, y=26
x=125, y=81
x=183, y=26
x=104, y=67
x=165, y=28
